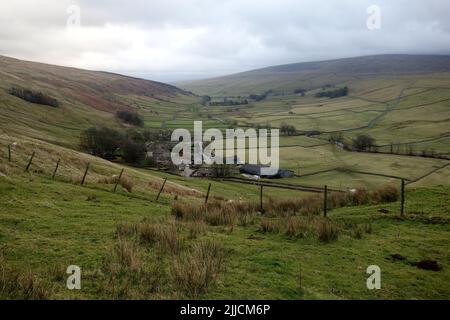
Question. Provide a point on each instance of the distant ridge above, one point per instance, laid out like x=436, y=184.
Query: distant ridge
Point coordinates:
x=289, y=76
x=372, y=64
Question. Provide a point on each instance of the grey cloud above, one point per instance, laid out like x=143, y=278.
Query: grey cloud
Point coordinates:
x=181, y=39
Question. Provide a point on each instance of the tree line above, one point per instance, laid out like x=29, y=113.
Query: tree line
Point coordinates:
x=108, y=143
x=336, y=93
x=34, y=97
x=228, y=102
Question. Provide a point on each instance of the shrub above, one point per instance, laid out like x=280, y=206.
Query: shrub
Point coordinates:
x=102, y=142
x=130, y=118
x=363, y=143
x=336, y=138
x=342, y=92
x=133, y=152
x=300, y=91
x=287, y=129
x=205, y=99
x=136, y=136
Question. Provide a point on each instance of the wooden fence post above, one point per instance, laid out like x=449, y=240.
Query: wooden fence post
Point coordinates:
x=56, y=169
x=9, y=153
x=402, y=200
x=325, y=195
x=207, y=194
x=118, y=179
x=162, y=187
x=261, y=198
x=29, y=162
x=85, y=173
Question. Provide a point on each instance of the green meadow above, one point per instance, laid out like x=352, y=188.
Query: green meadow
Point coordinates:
x=131, y=246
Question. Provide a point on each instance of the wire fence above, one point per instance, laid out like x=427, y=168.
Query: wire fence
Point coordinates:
x=259, y=184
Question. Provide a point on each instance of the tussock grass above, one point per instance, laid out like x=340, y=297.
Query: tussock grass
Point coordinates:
x=14, y=285
x=301, y=227
x=187, y=211
x=163, y=236
x=231, y=213
x=269, y=225
x=125, y=181
x=127, y=255
x=310, y=205
x=197, y=269
x=216, y=213
x=189, y=271
x=327, y=230
x=126, y=274
x=126, y=230
x=385, y=194
x=196, y=229
x=298, y=227
x=57, y=272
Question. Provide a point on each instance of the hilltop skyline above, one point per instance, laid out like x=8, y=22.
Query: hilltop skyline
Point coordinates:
x=185, y=40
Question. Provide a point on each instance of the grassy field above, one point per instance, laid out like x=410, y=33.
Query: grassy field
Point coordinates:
x=130, y=246
x=47, y=225
x=411, y=113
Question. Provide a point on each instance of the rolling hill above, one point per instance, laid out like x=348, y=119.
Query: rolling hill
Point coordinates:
x=87, y=98
x=96, y=89
x=142, y=242
x=311, y=75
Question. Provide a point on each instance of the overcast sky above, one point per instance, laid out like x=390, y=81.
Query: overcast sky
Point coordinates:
x=172, y=40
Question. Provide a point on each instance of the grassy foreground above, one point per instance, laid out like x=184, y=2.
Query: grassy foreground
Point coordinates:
x=130, y=247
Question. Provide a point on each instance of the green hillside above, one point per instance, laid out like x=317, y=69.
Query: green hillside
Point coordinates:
x=47, y=225
x=406, y=115
x=132, y=246
x=312, y=75
x=87, y=98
